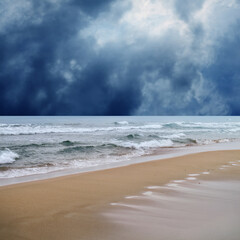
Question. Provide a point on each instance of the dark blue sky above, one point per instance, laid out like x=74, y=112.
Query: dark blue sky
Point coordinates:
x=119, y=57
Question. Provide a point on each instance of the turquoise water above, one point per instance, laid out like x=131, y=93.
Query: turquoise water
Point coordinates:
x=38, y=145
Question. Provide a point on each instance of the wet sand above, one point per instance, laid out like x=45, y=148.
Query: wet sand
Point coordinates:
x=191, y=209
x=85, y=206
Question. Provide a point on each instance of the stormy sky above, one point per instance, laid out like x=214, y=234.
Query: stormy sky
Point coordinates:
x=120, y=57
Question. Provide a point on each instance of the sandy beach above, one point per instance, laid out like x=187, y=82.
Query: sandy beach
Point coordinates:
x=119, y=120
x=75, y=206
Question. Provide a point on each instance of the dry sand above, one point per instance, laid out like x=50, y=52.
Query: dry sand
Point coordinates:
x=72, y=207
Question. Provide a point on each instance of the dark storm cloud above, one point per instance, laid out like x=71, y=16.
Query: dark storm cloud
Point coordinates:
x=226, y=70
x=80, y=58
x=92, y=91
x=30, y=50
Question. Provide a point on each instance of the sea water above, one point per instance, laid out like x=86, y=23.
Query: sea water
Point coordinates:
x=43, y=144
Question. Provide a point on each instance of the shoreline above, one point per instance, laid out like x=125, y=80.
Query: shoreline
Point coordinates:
x=70, y=206
x=167, y=153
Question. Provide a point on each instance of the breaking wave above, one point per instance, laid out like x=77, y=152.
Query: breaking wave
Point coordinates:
x=146, y=144
x=7, y=156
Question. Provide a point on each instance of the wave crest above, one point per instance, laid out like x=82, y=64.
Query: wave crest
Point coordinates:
x=146, y=144
x=7, y=156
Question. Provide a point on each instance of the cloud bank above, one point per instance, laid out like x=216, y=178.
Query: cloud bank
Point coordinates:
x=119, y=57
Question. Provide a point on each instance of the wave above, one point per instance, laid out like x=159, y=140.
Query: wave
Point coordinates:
x=77, y=149
x=224, y=140
x=156, y=136
x=146, y=144
x=30, y=129
x=119, y=145
x=67, y=143
x=174, y=136
x=46, y=144
x=212, y=141
x=237, y=129
x=121, y=123
x=46, y=129
x=174, y=125
x=33, y=145
x=203, y=125
x=7, y=156
x=39, y=129
x=186, y=141
x=90, y=148
x=133, y=136
x=20, y=172
x=12, y=125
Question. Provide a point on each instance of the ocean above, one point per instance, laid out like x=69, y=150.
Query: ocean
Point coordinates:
x=42, y=144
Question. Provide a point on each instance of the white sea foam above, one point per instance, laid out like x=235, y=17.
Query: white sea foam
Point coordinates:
x=8, y=156
x=114, y=204
x=193, y=174
x=130, y=197
x=224, y=125
x=234, y=130
x=178, y=181
x=172, y=185
x=205, y=173
x=153, y=126
x=146, y=144
x=225, y=166
x=191, y=178
x=212, y=141
x=224, y=140
x=28, y=171
x=153, y=187
x=29, y=129
x=148, y=193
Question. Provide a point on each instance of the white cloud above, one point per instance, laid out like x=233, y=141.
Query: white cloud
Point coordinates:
x=151, y=19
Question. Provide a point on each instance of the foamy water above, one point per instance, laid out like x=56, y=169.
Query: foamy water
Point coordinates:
x=7, y=156
x=39, y=145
